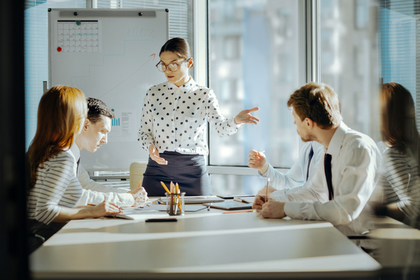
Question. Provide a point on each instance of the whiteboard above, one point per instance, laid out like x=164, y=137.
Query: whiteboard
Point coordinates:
x=110, y=55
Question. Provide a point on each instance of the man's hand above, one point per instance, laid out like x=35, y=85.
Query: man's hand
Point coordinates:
x=257, y=160
x=140, y=197
x=272, y=209
x=258, y=202
x=154, y=155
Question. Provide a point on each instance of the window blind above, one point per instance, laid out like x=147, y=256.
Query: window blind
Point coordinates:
x=399, y=25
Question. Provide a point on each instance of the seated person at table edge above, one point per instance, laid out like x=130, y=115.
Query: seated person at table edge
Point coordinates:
x=95, y=133
x=348, y=170
x=283, y=186
x=400, y=180
x=53, y=188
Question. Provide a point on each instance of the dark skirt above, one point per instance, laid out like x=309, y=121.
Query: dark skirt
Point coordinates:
x=189, y=171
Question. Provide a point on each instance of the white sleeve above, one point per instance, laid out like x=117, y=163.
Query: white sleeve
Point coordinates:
x=280, y=181
x=145, y=135
x=358, y=172
x=93, y=197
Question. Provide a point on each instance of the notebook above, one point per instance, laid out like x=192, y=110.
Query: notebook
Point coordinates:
x=229, y=205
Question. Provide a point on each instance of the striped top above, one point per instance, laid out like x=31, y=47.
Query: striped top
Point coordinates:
x=56, y=186
x=400, y=181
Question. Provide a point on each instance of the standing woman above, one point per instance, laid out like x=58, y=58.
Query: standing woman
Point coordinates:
x=173, y=125
x=400, y=169
x=53, y=185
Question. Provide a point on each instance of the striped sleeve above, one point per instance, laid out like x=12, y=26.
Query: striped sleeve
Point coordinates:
x=51, y=184
x=402, y=182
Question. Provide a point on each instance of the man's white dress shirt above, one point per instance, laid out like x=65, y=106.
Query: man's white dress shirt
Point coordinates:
x=95, y=193
x=355, y=162
x=175, y=118
x=299, y=176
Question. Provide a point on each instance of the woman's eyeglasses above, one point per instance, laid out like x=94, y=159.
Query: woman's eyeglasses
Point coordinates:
x=162, y=67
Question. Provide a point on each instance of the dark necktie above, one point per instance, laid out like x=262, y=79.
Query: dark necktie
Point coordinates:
x=77, y=168
x=327, y=169
x=311, y=154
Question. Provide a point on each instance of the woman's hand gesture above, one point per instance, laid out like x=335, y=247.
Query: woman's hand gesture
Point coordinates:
x=246, y=117
x=154, y=155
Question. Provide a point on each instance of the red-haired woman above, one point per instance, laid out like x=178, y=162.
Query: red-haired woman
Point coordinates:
x=53, y=186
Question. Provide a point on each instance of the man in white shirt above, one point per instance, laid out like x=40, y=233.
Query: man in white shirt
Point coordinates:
x=283, y=186
x=348, y=170
x=93, y=135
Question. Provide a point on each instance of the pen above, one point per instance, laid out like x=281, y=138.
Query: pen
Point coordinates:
x=240, y=211
x=164, y=186
x=266, y=191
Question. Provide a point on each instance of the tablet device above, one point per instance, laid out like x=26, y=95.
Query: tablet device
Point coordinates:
x=229, y=205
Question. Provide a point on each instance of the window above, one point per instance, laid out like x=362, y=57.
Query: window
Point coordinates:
x=257, y=58
x=349, y=60
x=36, y=55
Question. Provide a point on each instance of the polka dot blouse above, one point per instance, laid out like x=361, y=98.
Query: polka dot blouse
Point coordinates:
x=175, y=119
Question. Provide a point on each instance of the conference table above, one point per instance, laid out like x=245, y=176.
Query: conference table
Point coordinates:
x=204, y=244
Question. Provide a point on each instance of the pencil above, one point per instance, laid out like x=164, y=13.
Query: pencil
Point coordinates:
x=240, y=211
x=164, y=186
x=174, y=200
x=179, y=198
x=266, y=190
x=139, y=184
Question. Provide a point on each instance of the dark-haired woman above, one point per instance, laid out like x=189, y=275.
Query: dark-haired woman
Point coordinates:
x=173, y=126
x=400, y=170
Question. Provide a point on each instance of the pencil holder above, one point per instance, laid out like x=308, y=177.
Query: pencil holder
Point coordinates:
x=175, y=204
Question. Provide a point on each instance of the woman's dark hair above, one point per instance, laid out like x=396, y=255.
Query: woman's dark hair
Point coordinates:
x=398, y=119
x=96, y=109
x=179, y=46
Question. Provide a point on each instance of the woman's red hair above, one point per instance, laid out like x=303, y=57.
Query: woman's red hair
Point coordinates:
x=60, y=113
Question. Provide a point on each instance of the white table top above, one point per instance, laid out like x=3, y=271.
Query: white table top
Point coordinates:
x=206, y=244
